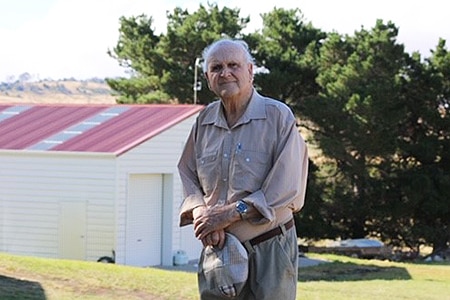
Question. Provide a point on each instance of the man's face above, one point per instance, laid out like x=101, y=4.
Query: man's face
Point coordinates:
x=228, y=72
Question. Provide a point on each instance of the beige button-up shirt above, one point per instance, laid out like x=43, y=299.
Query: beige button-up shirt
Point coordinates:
x=262, y=159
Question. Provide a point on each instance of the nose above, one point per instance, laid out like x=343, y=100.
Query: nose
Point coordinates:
x=225, y=72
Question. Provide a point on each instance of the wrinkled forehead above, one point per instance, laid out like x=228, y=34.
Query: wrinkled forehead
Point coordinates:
x=226, y=52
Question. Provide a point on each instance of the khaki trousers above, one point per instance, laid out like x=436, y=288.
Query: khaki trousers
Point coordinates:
x=273, y=270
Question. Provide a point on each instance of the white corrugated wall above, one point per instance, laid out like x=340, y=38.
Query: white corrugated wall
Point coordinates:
x=34, y=190
x=38, y=189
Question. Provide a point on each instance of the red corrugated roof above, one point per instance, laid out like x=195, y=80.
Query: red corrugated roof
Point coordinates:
x=31, y=126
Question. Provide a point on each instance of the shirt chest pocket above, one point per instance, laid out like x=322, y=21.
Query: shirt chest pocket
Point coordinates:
x=249, y=170
x=207, y=170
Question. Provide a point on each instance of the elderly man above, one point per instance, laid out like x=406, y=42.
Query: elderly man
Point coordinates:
x=244, y=170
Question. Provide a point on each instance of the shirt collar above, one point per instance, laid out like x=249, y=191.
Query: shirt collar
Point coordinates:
x=255, y=110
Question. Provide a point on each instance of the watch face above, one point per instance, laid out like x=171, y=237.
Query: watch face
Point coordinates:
x=241, y=207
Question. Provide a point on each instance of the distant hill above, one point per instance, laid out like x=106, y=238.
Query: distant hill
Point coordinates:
x=93, y=91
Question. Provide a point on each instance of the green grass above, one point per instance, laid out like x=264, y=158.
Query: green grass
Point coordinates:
x=23, y=278
x=348, y=278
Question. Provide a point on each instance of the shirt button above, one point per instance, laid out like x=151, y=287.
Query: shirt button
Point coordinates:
x=247, y=159
x=225, y=179
x=225, y=155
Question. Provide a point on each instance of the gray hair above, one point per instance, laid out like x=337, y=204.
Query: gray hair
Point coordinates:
x=240, y=43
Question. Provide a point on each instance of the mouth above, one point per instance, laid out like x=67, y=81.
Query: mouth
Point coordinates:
x=226, y=82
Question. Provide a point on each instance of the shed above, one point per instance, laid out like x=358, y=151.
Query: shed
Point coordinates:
x=80, y=181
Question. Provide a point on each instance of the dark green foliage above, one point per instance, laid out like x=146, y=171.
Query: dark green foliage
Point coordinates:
x=164, y=65
x=377, y=116
x=284, y=48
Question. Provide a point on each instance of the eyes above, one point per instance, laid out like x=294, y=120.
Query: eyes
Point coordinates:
x=217, y=68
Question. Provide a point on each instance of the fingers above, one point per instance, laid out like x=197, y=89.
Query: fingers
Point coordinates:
x=222, y=238
x=202, y=229
x=209, y=223
x=207, y=241
x=204, y=226
x=216, y=238
x=211, y=239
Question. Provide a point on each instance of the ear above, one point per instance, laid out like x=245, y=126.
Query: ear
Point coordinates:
x=207, y=80
x=250, y=71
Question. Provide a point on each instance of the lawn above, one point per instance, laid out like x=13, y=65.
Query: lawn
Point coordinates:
x=23, y=278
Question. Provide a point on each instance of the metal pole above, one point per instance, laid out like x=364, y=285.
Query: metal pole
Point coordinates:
x=197, y=61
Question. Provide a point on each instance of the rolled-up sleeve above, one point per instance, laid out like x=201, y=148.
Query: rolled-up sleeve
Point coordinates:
x=193, y=194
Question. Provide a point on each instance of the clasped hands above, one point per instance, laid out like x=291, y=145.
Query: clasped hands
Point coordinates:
x=210, y=224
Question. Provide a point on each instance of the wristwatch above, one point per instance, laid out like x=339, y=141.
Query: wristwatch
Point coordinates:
x=242, y=209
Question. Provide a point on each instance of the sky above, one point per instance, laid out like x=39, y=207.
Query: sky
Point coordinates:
x=59, y=39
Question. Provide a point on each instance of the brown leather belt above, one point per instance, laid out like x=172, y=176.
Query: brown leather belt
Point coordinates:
x=272, y=233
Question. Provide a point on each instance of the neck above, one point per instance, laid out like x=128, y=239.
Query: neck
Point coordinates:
x=234, y=108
